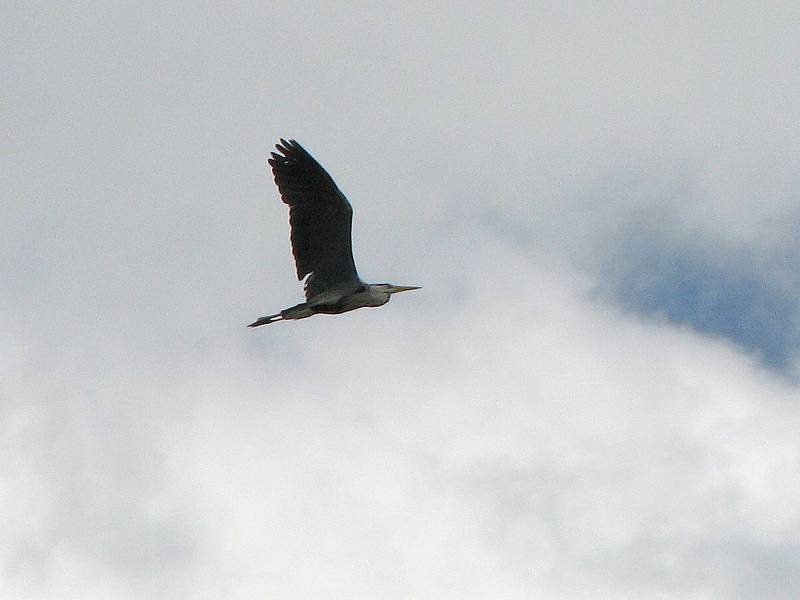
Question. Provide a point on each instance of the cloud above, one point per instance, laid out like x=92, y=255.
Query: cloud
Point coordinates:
x=555, y=178
x=554, y=447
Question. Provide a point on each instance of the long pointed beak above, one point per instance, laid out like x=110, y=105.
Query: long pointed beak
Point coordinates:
x=403, y=288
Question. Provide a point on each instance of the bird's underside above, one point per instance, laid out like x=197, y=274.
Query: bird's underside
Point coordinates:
x=320, y=218
x=319, y=305
x=331, y=302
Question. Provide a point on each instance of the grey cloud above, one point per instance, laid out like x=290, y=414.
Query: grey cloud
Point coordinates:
x=504, y=434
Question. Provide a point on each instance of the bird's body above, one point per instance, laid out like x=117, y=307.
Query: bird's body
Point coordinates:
x=320, y=218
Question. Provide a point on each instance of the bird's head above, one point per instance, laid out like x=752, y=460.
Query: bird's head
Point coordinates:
x=389, y=288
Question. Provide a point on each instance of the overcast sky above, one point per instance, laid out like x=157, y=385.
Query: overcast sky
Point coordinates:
x=594, y=395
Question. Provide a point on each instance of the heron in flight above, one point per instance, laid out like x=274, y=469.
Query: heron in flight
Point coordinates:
x=320, y=218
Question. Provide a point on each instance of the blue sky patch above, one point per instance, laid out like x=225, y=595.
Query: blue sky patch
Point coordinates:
x=723, y=295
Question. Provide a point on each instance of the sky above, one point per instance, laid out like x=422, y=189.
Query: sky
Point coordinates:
x=594, y=395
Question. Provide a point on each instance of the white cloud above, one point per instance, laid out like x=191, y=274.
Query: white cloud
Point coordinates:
x=502, y=433
x=552, y=447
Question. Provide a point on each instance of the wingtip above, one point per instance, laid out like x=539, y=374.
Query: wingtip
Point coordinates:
x=284, y=144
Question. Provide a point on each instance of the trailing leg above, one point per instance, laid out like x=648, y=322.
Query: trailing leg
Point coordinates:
x=301, y=311
x=266, y=320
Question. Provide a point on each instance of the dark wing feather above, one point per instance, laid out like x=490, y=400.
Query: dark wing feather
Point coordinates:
x=320, y=218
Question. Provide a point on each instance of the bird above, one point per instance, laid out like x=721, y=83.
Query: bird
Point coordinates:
x=320, y=219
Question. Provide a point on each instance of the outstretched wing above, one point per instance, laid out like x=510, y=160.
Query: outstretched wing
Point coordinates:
x=320, y=218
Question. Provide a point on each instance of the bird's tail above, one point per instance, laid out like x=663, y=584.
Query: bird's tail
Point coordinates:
x=266, y=320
